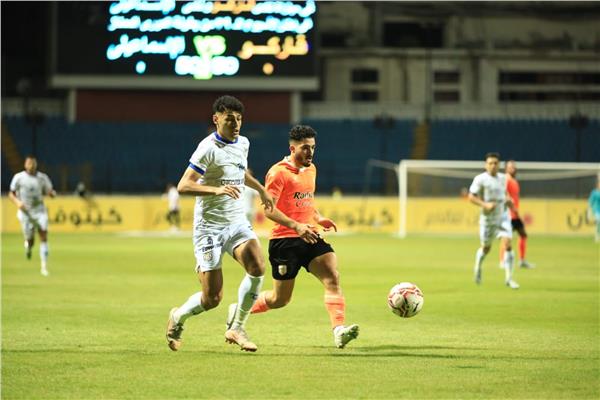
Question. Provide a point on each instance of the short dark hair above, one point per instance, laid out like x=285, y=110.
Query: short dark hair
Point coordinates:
x=301, y=132
x=228, y=103
x=492, y=154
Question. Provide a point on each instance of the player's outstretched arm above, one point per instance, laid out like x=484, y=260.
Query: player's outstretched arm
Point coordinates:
x=510, y=204
x=188, y=184
x=305, y=231
x=265, y=198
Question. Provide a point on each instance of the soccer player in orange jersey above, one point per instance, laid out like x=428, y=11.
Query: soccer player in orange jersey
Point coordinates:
x=295, y=242
x=514, y=190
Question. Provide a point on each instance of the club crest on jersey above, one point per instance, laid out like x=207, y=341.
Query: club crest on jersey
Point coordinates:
x=241, y=166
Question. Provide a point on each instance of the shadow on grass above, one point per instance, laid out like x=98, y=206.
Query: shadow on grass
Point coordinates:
x=278, y=350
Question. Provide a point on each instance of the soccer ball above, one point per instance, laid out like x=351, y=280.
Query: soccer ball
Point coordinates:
x=405, y=299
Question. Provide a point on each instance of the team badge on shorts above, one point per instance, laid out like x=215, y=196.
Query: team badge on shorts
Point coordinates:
x=207, y=254
x=282, y=269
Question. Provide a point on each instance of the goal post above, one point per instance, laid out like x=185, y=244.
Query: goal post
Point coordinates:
x=439, y=178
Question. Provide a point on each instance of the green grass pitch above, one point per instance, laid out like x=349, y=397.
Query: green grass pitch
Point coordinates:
x=95, y=328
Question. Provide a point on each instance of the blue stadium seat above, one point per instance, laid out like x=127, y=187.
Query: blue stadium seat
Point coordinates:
x=133, y=157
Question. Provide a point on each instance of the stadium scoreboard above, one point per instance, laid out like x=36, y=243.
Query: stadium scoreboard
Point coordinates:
x=185, y=44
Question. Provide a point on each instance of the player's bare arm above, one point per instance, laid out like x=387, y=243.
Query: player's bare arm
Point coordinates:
x=188, y=184
x=13, y=197
x=305, y=231
x=487, y=206
x=265, y=198
x=326, y=223
x=510, y=204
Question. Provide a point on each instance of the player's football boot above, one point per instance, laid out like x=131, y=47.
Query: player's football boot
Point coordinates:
x=525, y=265
x=174, y=331
x=512, y=284
x=240, y=337
x=342, y=335
x=44, y=272
x=230, y=315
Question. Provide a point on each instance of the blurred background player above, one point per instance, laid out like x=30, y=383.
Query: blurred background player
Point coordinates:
x=594, y=202
x=488, y=191
x=294, y=243
x=216, y=176
x=514, y=191
x=173, y=215
x=27, y=191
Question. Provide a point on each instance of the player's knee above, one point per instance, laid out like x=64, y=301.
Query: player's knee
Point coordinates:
x=279, y=302
x=211, y=300
x=486, y=249
x=256, y=267
x=332, y=282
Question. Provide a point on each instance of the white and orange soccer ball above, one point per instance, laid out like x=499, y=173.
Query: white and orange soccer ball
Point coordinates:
x=405, y=299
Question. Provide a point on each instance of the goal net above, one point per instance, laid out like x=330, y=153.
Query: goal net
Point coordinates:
x=432, y=195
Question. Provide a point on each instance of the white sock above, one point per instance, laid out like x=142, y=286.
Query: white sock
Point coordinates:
x=479, y=257
x=509, y=257
x=44, y=254
x=247, y=295
x=193, y=306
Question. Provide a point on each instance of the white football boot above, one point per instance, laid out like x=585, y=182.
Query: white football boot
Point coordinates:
x=240, y=337
x=512, y=284
x=237, y=335
x=342, y=335
x=174, y=331
x=525, y=265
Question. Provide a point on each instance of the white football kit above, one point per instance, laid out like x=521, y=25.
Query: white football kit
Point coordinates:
x=495, y=223
x=220, y=222
x=30, y=189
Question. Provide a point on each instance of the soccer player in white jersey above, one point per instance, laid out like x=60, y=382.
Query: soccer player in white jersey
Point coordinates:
x=27, y=191
x=217, y=175
x=488, y=191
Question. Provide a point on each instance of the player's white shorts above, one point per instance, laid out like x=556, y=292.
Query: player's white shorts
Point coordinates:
x=32, y=220
x=210, y=243
x=488, y=231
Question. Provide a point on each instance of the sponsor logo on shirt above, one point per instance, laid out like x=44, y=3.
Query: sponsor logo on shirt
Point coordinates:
x=232, y=181
x=304, y=199
x=303, y=195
